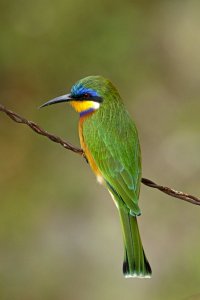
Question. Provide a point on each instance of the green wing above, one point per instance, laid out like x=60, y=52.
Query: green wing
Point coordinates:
x=112, y=140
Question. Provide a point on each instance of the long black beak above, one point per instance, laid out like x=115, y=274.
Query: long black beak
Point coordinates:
x=63, y=98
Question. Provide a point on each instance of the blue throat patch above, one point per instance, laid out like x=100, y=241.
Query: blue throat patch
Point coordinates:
x=86, y=112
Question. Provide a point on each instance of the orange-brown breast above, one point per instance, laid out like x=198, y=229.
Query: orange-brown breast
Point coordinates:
x=87, y=152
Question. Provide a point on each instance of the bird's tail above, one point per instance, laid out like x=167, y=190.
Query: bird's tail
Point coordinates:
x=135, y=262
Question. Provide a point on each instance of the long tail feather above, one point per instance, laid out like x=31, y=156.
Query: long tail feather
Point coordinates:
x=135, y=262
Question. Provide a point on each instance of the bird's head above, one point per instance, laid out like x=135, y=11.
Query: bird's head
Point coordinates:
x=88, y=94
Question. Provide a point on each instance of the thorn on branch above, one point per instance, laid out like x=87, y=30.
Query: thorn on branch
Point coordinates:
x=35, y=127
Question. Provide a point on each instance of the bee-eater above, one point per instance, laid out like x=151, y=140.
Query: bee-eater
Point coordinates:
x=109, y=139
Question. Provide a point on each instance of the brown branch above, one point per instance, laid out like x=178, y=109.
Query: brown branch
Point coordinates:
x=35, y=127
x=17, y=118
x=172, y=192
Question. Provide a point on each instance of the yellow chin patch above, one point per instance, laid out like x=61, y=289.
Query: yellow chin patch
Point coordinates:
x=81, y=106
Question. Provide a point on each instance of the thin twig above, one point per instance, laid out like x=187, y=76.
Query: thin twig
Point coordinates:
x=172, y=192
x=35, y=127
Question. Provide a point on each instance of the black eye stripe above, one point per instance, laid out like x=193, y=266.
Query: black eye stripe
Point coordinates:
x=97, y=99
x=87, y=96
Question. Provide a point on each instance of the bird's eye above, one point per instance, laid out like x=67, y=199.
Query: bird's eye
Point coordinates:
x=86, y=95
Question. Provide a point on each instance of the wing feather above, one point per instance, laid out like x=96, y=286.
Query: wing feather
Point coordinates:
x=114, y=145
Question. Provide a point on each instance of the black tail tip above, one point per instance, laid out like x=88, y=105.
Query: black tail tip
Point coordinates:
x=145, y=272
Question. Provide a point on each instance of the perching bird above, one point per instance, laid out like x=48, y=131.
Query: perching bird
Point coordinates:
x=110, y=142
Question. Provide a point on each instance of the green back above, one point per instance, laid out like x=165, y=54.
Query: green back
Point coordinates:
x=112, y=139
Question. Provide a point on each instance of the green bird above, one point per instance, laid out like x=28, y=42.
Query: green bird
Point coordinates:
x=109, y=139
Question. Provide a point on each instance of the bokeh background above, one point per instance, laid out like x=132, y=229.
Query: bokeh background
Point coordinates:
x=60, y=236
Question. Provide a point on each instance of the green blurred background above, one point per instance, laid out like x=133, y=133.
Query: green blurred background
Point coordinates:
x=60, y=236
